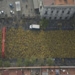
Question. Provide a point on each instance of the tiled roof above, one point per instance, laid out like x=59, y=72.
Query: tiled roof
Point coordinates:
x=48, y=2
x=5, y=72
x=58, y=2
x=63, y=71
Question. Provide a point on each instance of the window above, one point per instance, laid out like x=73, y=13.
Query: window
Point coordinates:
x=66, y=17
x=57, y=11
x=55, y=17
x=49, y=17
x=62, y=11
x=40, y=7
x=68, y=12
x=60, y=17
x=51, y=11
x=46, y=13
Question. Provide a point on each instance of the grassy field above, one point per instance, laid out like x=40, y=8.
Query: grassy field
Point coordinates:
x=39, y=44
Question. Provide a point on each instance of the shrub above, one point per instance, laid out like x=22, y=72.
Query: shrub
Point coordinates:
x=19, y=62
x=1, y=63
x=26, y=62
x=33, y=60
x=6, y=64
x=44, y=23
x=50, y=62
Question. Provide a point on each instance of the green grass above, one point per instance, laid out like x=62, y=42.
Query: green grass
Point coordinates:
x=39, y=44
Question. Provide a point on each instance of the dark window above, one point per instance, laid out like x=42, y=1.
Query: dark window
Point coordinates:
x=46, y=13
x=49, y=17
x=68, y=12
x=26, y=6
x=55, y=17
x=57, y=11
x=40, y=7
x=62, y=11
x=60, y=17
x=51, y=11
x=66, y=17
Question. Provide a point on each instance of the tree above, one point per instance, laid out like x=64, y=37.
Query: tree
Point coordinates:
x=1, y=63
x=19, y=62
x=33, y=60
x=41, y=62
x=50, y=62
x=26, y=62
x=6, y=64
x=44, y=23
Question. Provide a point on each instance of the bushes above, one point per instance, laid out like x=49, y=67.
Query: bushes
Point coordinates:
x=27, y=62
x=44, y=23
x=50, y=61
x=1, y=63
x=19, y=62
x=6, y=64
x=33, y=60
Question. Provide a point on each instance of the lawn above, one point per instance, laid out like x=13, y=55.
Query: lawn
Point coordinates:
x=39, y=44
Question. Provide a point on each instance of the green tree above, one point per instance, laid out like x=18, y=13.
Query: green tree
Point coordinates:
x=1, y=63
x=33, y=60
x=27, y=62
x=41, y=62
x=44, y=23
x=19, y=62
x=50, y=61
x=6, y=64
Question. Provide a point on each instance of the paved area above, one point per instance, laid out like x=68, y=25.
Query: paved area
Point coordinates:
x=27, y=8
x=52, y=25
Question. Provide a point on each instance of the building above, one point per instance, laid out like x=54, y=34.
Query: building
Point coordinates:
x=56, y=9
x=38, y=70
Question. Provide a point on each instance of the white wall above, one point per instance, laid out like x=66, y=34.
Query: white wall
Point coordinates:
x=55, y=14
x=72, y=11
x=59, y=14
x=65, y=13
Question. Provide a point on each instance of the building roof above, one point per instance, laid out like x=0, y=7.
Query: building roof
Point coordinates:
x=5, y=72
x=48, y=2
x=19, y=72
x=13, y=72
x=58, y=2
x=52, y=71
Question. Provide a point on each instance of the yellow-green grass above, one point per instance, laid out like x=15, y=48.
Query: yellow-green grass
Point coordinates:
x=39, y=44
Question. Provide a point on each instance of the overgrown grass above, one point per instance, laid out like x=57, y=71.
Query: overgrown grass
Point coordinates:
x=39, y=44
